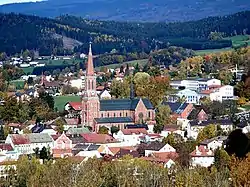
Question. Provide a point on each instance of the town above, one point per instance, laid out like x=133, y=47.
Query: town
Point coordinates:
x=106, y=103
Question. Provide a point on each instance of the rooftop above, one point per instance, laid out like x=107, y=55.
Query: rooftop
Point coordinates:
x=114, y=120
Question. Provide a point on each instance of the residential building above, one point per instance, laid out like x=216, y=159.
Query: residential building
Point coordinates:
x=180, y=110
x=190, y=96
x=158, y=147
x=130, y=137
x=104, y=94
x=219, y=94
x=62, y=146
x=87, y=150
x=195, y=84
x=214, y=143
x=26, y=143
x=202, y=156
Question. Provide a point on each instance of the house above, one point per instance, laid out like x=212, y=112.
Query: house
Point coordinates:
x=7, y=153
x=43, y=128
x=190, y=96
x=93, y=138
x=130, y=137
x=199, y=114
x=151, y=138
x=77, y=131
x=62, y=146
x=202, y=156
x=71, y=123
x=158, y=147
x=172, y=129
x=15, y=127
x=104, y=94
x=73, y=109
x=87, y=150
x=195, y=84
x=219, y=94
x=124, y=152
x=179, y=110
x=214, y=143
x=26, y=143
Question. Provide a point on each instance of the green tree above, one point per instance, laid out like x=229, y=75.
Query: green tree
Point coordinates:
x=103, y=130
x=60, y=125
x=114, y=129
x=207, y=132
x=162, y=117
x=221, y=158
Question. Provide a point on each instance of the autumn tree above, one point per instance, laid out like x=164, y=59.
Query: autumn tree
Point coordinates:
x=119, y=89
x=207, y=132
x=60, y=123
x=221, y=158
x=103, y=130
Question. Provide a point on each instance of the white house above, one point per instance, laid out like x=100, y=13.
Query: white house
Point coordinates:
x=202, y=156
x=26, y=143
x=189, y=95
x=219, y=94
x=130, y=137
x=214, y=143
x=105, y=94
x=76, y=83
x=87, y=150
x=165, y=149
x=195, y=84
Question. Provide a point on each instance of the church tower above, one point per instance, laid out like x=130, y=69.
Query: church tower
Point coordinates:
x=90, y=99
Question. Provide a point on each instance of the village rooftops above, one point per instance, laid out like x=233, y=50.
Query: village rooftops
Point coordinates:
x=77, y=131
x=98, y=138
x=213, y=121
x=134, y=131
x=176, y=107
x=19, y=139
x=218, y=138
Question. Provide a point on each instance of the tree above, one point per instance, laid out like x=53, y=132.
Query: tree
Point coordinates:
x=44, y=154
x=114, y=129
x=30, y=81
x=207, y=132
x=60, y=125
x=47, y=98
x=103, y=130
x=225, y=76
x=215, y=36
x=2, y=137
x=162, y=117
x=221, y=158
x=173, y=139
x=120, y=89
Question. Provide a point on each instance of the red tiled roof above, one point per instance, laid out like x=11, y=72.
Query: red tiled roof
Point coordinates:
x=166, y=155
x=97, y=138
x=14, y=125
x=76, y=105
x=154, y=159
x=5, y=146
x=18, y=139
x=202, y=151
x=61, y=151
x=134, y=131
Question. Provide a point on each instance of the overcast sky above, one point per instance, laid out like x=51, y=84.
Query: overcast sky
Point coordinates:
x=2, y=2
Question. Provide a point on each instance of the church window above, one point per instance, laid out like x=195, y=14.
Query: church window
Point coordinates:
x=126, y=114
x=89, y=84
x=108, y=115
x=120, y=114
x=149, y=114
x=102, y=115
x=92, y=85
x=114, y=114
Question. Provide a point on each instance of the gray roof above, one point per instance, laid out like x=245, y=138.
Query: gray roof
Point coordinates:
x=40, y=138
x=114, y=120
x=176, y=107
x=218, y=138
x=82, y=130
x=123, y=104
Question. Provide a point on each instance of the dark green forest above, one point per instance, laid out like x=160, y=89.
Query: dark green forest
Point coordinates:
x=19, y=32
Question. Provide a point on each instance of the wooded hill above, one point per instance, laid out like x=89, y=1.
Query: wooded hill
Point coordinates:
x=19, y=32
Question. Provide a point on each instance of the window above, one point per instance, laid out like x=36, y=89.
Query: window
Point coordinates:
x=102, y=115
x=149, y=114
x=108, y=115
x=120, y=114
x=126, y=114
x=114, y=114
x=89, y=84
x=92, y=85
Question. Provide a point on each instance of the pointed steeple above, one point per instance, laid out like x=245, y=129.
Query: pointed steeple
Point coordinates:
x=90, y=65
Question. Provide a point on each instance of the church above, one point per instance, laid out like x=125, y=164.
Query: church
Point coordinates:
x=96, y=112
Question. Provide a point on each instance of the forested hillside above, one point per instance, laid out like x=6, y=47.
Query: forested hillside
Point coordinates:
x=20, y=32
x=131, y=10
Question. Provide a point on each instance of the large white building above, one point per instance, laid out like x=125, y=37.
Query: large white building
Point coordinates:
x=190, y=96
x=195, y=84
x=26, y=143
x=202, y=156
x=219, y=94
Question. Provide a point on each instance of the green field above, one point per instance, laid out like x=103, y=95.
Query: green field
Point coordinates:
x=246, y=107
x=237, y=41
x=60, y=101
x=19, y=84
x=131, y=63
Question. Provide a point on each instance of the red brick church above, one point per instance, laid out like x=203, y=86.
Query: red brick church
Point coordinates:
x=96, y=112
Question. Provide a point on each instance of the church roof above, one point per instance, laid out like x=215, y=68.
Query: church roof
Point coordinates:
x=123, y=104
x=114, y=120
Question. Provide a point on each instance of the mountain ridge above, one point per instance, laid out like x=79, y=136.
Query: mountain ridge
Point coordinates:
x=130, y=10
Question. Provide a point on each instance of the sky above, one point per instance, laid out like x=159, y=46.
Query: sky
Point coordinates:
x=2, y=2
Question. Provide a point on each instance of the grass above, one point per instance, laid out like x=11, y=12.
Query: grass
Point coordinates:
x=19, y=84
x=28, y=70
x=247, y=107
x=131, y=63
x=237, y=41
x=60, y=101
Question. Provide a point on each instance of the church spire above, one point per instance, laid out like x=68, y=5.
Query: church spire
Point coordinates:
x=90, y=65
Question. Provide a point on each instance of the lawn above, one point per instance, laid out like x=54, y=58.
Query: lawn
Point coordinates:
x=208, y=51
x=131, y=63
x=239, y=40
x=60, y=101
x=19, y=84
x=247, y=107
